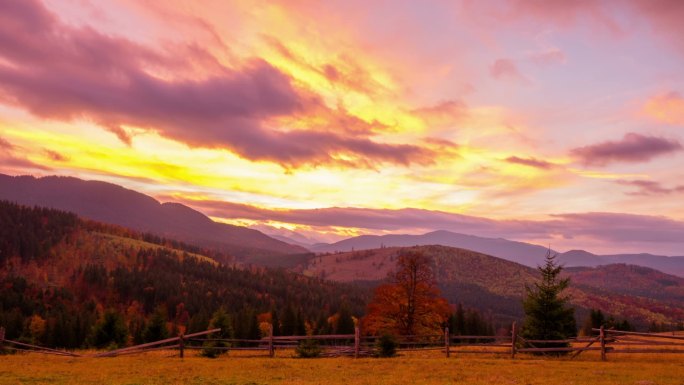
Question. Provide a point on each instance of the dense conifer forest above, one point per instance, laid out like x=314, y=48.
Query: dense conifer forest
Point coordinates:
x=65, y=281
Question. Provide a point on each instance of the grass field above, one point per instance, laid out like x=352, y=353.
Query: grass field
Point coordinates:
x=164, y=367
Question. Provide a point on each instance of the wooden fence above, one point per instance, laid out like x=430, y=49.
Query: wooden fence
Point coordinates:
x=356, y=345
x=615, y=341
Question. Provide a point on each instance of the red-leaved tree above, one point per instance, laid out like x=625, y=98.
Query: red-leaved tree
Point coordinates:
x=410, y=303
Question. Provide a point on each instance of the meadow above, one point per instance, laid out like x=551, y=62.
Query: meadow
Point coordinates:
x=164, y=367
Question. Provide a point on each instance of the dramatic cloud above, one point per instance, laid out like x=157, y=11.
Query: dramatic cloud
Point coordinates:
x=649, y=187
x=118, y=83
x=668, y=108
x=632, y=148
x=10, y=161
x=616, y=227
x=532, y=162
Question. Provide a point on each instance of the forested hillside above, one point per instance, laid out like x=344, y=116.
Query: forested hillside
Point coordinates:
x=60, y=276
x=110, y=203
x=496, y=286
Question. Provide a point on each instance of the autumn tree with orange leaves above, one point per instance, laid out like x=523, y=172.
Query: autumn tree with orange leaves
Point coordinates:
x=410, y=303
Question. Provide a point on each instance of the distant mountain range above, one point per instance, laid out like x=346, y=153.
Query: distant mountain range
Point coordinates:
x=114, y=204
x=110, y=203
x=520, y=252
x=670, y=265
x=496, y=286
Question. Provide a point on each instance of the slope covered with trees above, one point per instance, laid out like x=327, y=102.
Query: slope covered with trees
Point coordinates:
x=109, y=203
x=496, y=287
x=70, y=283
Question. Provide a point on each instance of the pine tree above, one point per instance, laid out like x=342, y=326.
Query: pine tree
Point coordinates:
x=345, y=323
x=275, y=322
x=547, y=314
x=156, y=328
x=110, y=331
x=220, y=319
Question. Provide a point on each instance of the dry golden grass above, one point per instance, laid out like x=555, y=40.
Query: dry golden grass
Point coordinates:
x=165, y=367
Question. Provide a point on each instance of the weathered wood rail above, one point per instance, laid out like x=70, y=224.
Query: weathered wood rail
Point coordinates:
x=355, y=345
x=622, y=342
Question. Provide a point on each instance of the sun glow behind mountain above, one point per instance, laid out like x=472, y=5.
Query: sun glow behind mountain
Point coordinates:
x=547, y=122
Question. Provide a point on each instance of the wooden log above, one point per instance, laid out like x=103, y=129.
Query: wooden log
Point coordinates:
x=648, y=351
x=357, y=341
x=155, y=343
x=446, y=342
x=259, y=341
x=514, y=339
x=588, y=345
x=491, y=345
x=540, y=350
x=169, y=347
x=602, y=338
x=39, y=349
x=453, y=337
x=320, y=337
x=654, y=335
x=645, y=343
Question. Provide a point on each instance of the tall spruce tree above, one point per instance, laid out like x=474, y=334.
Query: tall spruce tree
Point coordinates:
x=547, y=314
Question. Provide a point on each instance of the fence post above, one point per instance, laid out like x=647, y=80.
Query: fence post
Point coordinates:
x=2, y=337
x=602, y=337
x=271, y=351
x=446, y=342
x=514, y=340
x=357, y=341
x=181, y=345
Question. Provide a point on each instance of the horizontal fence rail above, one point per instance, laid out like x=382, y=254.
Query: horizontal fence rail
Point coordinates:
x=355, y=345
x=622, y=342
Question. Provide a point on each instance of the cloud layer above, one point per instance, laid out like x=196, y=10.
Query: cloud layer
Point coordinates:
x=119, y=84
x=631, y=148
x=637, y=233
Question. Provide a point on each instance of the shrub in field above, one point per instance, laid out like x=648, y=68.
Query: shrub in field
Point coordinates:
x=308, y=349
x=213, y=349
x=386, y=345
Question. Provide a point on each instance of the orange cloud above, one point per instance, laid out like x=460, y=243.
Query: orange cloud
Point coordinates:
x=667, y=108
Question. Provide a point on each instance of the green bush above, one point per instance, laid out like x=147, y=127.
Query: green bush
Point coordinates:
x=386, y=345
x=308, y=349
x=220, y=319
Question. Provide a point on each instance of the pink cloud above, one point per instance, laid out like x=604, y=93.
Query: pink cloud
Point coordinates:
x=112, y=81
x=649, y=187
x=632, y=232
x=631, y=148
x=548, y=57
x=11, y=161
x=531, y=162
x=506, y=69
x=667, y=108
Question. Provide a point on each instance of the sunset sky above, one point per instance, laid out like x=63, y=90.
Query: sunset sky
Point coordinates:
x=555, y=122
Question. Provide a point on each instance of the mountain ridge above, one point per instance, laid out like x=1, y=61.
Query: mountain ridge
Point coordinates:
x=521, y=252
x=111, y=203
